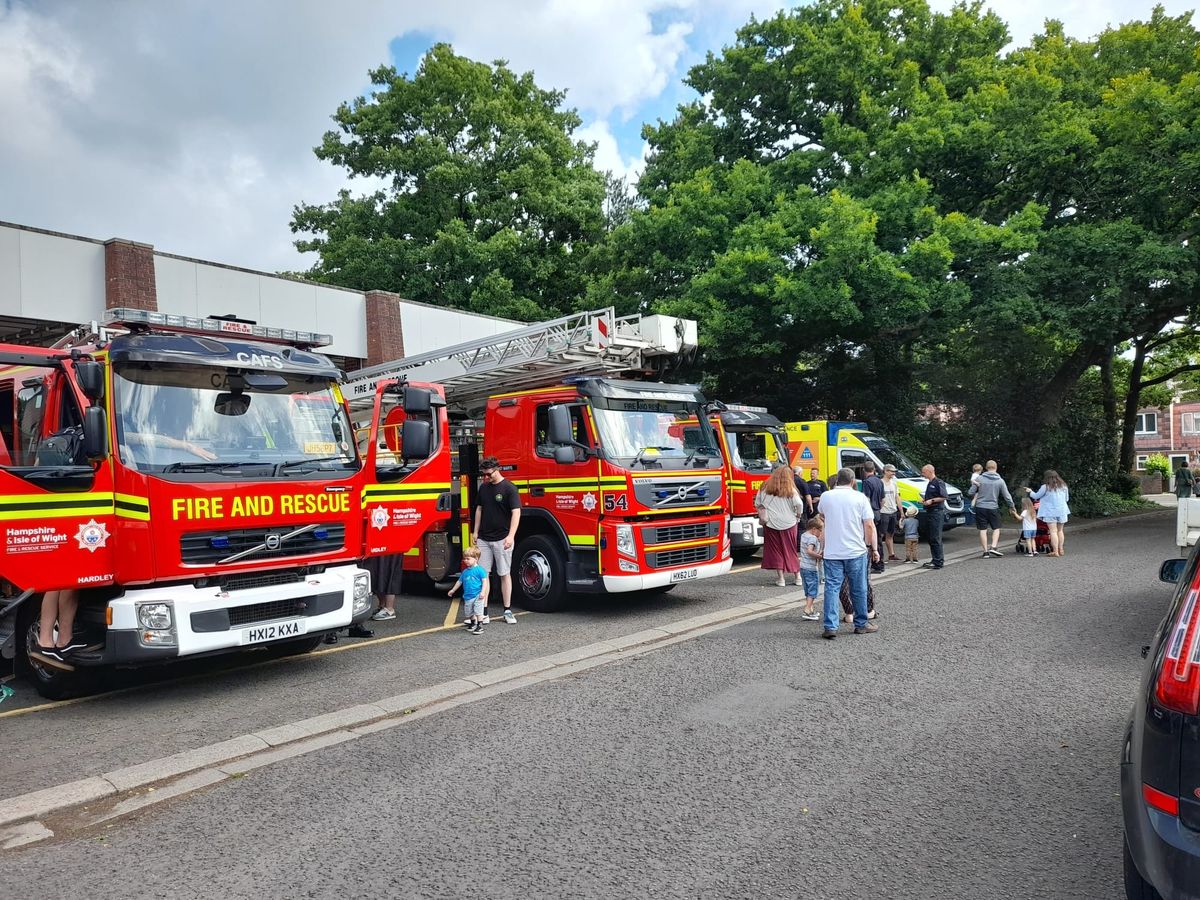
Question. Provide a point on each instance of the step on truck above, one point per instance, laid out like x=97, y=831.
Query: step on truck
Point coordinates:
x=829, y=446
x=196, y=482
x=614, y=497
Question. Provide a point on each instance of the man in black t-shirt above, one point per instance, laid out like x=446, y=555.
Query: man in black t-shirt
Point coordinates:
x=497, y=515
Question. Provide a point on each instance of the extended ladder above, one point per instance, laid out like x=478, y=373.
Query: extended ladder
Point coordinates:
x=597, y=342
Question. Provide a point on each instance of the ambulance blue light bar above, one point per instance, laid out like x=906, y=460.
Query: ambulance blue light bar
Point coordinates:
x=191, y=325
x=738, y=407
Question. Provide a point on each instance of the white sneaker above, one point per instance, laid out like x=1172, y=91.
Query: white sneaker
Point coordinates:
x=384, y=615
x=509, y=618
x=487, y=619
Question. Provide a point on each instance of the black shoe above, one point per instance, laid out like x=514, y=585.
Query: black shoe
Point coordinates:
x=359, y=631
x=828, y=635
x=331, y=638
x=931, y=565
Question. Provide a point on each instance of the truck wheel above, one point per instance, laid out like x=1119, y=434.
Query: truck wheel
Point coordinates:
x=300, y=646
x=539, y=574
x=743, y=554
x=50, y=681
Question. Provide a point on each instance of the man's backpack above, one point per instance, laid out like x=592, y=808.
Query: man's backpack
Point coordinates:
x=63, y=448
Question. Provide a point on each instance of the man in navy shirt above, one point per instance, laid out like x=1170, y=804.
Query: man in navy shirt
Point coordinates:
x=872, y=487
x=935, y=508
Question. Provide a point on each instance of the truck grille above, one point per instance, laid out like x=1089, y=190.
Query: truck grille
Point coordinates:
x=260, y=580
x=954, y=503
x=200, y=547
x=265, y=612
x=669, y=534
x=670, y=558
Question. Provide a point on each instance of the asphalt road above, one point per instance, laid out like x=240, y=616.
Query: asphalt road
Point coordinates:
x=967, y=750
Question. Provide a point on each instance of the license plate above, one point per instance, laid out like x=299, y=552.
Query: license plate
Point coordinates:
x=273, y=631
x=684, y=575
x=959, y=520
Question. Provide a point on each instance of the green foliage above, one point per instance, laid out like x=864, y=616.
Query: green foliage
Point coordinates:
x=1157, y=464
x=1092, y=504
x=488, y=203
x=882, y=209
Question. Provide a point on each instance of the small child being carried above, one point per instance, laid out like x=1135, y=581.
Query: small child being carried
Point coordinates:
x=474, y=581
x=910, y=534
x=811, y=554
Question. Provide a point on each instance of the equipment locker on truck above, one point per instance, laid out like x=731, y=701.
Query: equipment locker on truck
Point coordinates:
x=217, y=502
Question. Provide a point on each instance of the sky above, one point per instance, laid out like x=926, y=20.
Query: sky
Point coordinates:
x=190, y=125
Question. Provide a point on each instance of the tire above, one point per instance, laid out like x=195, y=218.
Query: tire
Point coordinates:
x=661, y=589
x=742, y=554
x=1136, y=887
x=300, y=646
x=51, y=682
x=539, y=574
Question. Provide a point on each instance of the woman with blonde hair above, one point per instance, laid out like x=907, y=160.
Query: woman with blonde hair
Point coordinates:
x=1053, y=509
x=780, y=508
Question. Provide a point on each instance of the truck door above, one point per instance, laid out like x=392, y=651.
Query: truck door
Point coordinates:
x=407, y=467
x=56, y=511
x=569, y=490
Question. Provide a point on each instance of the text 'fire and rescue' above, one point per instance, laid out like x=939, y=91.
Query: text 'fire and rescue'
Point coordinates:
x=237, y=507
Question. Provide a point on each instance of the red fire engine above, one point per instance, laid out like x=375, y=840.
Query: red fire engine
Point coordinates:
x=614, y=498
x=197, y=482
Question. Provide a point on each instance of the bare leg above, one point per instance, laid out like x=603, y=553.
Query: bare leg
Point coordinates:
x=995, y=538
x=1054, y=539
x=1062, y=537
x=506, y=590
x=983, y=539
x=48, y=617
x=389, y=602
x=57, y=607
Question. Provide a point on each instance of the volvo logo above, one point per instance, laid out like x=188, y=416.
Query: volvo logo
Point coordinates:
x=272, y=541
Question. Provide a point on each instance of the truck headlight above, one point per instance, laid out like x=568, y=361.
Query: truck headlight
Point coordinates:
x=362, y=592
x=155, y=616
x=625, y=541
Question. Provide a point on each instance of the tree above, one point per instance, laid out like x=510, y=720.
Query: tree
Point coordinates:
x=488, y=203
x=1169, y=356
x=879, y=207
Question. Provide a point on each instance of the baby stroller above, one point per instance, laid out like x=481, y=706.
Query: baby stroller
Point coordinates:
x=1041, y=537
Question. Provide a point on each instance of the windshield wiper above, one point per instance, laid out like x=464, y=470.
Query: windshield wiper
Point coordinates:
x=282, y=467
x=209, y=466
x=708, y=451
x=646, y=463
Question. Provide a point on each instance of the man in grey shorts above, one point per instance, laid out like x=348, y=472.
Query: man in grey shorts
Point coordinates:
x=497, y=515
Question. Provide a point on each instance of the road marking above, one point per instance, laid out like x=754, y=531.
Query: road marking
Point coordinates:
x=452, y=613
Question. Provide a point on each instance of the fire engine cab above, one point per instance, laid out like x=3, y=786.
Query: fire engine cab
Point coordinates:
x=196, y=481
x=615, y=497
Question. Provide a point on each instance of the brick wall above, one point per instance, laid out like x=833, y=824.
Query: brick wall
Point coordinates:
x=385, y=334
x=1185, y=442
x=1170, y=438
x=129, y=275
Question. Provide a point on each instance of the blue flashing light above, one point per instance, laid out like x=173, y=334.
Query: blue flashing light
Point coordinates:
x=219, y=543
x=320, y=534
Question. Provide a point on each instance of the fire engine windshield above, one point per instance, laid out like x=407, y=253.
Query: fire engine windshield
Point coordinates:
x=650, y=433
x=755, y=451
x=191, y=418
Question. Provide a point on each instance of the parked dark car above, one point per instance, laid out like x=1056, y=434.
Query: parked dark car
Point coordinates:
x=1160, y=764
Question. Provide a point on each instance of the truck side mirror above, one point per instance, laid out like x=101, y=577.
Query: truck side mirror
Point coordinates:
x=95, y=433
x=90, y=375
x=561, y=432
x=564, y=455
x=417, y=400
x=416, y=439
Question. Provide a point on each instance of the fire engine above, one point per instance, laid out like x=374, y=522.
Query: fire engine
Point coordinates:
x=614, y=496
x=753, y=445
x=196, y=481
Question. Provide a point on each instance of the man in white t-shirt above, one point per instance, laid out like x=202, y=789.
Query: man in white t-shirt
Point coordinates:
x=849, y=541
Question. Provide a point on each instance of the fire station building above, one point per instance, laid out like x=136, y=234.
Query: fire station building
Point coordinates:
x=52, y=282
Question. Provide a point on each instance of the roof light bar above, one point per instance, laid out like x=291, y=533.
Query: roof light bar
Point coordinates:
x=192, y=325
x=739, y=407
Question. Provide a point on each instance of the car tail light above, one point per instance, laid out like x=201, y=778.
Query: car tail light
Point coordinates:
x=1178, y=685
x=1160, y=801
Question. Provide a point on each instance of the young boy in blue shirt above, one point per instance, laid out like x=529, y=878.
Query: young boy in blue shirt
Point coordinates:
x=474, y=581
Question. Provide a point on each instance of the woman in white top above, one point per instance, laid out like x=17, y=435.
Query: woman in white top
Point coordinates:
x=779, y=509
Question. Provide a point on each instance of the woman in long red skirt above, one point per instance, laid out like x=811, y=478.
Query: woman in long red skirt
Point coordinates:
x=780, y=508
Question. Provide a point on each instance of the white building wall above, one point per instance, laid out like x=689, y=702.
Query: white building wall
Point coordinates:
x=194, y=288
x=50, y=277
x=429, y=328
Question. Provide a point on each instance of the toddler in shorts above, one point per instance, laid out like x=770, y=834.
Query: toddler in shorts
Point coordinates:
x=810, y=565
x=1028, y=519
x=474, y=581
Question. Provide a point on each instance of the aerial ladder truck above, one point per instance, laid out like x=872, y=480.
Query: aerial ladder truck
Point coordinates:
x=616, y=495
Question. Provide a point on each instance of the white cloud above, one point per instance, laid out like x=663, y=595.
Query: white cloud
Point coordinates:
x=1080, y=18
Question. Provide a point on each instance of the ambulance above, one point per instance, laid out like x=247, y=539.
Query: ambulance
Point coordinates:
x=828, y=446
